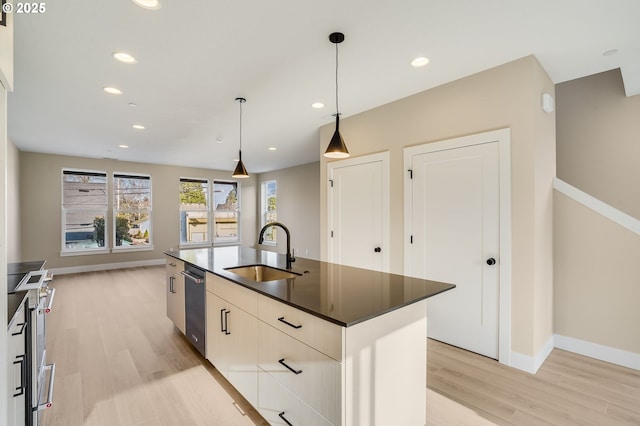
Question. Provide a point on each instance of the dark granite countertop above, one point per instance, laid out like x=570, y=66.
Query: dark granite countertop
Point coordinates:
x=341, y=294
x=14, y=300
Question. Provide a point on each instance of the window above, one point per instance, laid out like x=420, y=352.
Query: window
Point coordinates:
x=132, y=210
x=269, y=210
x=194, y=211
x=226, y=214
x=84, y=210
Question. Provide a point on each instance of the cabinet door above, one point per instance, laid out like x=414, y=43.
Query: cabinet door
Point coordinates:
x=232, y=345
x=17, y=365
x=179, y=303
x=217, y=341
x=242, y=366
x=170, y=278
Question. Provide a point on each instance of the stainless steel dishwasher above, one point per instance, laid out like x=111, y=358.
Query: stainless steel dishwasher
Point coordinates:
x=194, y=289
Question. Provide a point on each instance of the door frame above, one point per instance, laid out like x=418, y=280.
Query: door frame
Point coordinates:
x=354, y=161
x=503, y=137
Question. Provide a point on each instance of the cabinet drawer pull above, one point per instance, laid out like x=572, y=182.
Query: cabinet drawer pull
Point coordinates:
x=289, y=368
x=281, y=415
x=281, y=319
x=23, y=374
x=226, y=322
x=222, y=320
x=22, y=325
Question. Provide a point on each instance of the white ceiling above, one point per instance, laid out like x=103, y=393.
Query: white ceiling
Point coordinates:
x=196, y=56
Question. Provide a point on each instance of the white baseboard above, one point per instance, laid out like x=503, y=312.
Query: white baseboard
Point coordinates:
x=597, y=351
x=105, y=266
x=531, y=364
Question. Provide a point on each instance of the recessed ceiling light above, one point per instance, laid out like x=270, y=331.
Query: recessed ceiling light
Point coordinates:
x=123, y=146
x=317, y=105
x=236, y=160
x=272, y=148
x=138, y=126
x=124, y=57
x=610, y=52
x=219, y=140
x=420, y=62
x=132, y=104
x=148, y=4
x=112, y=90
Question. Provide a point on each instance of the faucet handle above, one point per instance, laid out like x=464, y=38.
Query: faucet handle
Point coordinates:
x=293, y=255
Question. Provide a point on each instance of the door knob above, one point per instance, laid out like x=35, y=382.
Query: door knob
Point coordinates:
x=377, y=249
x=491, y=261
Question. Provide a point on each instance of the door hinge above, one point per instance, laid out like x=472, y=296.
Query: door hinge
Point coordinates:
x=410, y=173
x=331, y=182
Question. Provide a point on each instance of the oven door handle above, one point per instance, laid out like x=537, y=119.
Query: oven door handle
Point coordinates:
x=192, y=277
x=52, y=378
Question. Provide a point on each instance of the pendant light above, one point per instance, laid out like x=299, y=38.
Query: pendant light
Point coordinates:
x=240, y=171
x=336, y=148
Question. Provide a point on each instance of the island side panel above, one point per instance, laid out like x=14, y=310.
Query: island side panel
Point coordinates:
x=386, y=369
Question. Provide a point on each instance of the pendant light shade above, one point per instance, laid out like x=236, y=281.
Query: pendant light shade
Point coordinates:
x=240, y=171
x=337, y=147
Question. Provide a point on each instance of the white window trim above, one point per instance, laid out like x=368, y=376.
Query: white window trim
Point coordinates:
x=114, y=211
x=263, y=210
x=238, y=241
x=208, y=211
x=87, y=251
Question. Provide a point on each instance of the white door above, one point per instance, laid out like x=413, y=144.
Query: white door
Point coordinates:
x=455, y=231
x=358, y=212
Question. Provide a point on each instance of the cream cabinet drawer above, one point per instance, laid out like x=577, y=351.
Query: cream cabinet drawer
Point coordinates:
x=311, y=375
x=280, y=407
x=234, y=293
x=173, y=266
x=315, y=332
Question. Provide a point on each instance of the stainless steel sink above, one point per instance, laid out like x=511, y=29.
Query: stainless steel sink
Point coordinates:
x=260, y=273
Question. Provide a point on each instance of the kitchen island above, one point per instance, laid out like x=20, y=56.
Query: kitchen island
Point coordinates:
x=325, y=344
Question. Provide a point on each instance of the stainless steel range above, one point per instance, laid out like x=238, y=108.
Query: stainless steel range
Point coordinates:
x=40, y=375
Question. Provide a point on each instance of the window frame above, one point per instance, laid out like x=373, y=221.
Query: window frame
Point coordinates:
x=64, y=250
x=115, y=212
x=264, y=210
x=214, y=222
x=207, y=211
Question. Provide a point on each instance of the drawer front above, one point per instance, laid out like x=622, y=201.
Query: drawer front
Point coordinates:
x=311, y=375
x=315, y=332
x=234, y=293
x=280, y=407
x=173, y=266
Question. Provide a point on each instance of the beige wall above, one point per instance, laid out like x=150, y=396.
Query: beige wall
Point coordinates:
x=298, y=207
x=505, y=96
x=596, y=261
x=14, y=247
x=40, y=176
x=598, y=149
x=596, y=277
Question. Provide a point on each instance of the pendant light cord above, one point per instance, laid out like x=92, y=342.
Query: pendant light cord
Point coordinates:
x=337, y=111
x=240, y=102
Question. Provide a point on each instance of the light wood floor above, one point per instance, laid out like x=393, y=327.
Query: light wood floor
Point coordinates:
x=119, y=361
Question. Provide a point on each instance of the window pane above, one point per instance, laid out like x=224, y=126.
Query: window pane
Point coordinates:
x=84, y=190
x=226, y=226
x=193, y=194
x=269, y=208
x=132, y=210
x=194, y=226
x=132, y=229
x=226, y=212
x=83, y=230
x=131, y=192
x=226, y=196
